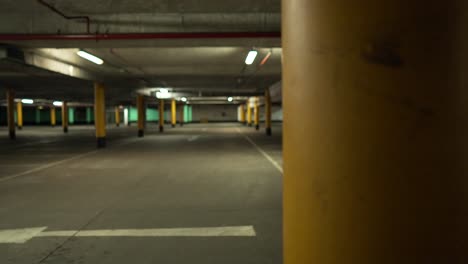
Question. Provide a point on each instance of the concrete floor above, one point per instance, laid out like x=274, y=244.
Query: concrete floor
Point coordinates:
x=200, y=175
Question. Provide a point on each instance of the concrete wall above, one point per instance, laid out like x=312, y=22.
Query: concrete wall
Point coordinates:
x=214, y=113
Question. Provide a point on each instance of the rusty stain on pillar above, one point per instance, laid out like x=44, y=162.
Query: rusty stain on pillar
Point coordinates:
x=372, y=160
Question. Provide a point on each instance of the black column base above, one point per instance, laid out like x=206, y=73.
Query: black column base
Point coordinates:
x=141, y=132
x=268, y=131
x=173, y=125
x=161, y=129
x=12, y=134
x=101, y=142
x=181, y=124
x=249, y=125
x=117, y=125
x=52, y=125
x=65, y=130
x=20, y=127
x=257, y=127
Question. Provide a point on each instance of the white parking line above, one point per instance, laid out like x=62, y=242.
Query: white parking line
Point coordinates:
x=259, y=149
x=23, y=235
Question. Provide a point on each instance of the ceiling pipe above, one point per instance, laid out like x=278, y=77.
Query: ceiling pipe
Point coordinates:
x=141, y=36
x=55, y=10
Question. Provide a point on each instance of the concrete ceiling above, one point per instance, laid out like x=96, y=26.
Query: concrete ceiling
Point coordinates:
x=200, y=66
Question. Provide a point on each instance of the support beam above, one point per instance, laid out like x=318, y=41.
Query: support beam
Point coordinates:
x=10, y=96
x=161, y=115
x=267, y=112
x=173, y=113
x=141, y=115
x=100, y=114
x=19, y=115
x=257, y=114
x=117, y=116
x=374, y=147
x=53, y=117
x=65, y=117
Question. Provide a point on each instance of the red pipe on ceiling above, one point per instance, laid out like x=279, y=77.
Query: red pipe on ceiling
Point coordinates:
x=140, y=36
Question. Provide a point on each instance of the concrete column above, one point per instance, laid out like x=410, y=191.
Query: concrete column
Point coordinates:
x=10, y=96
x=161, y=115
x=242, y=114
x=19, y=115
x=257, y=114
x=249, y=114
x=267, y=112
x=65, y=117
x=141, y=115
x=53, y=118
x=181, y=114
x=100, y=114
x=117, y=116
x=126, y=122
x=71, y=115
x=173, y=113
x=371, y=148
x=89, y=115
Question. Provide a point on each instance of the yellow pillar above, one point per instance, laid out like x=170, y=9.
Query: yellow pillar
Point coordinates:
x=267, y=112
x=257, y=114
x=19, y=114
x=249, y=114
x=100, y=114
x=141, y=115
x=117, y=116
x=10, y=96
x=242, y=117
x=53, y=118
x=173, y=113
x=65, y=117
x=161, y=115
x=373, y=170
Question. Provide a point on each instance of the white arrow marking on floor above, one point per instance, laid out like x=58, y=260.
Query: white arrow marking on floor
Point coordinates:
x=19, y=236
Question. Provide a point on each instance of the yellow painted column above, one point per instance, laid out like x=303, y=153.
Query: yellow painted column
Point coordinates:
x=242, y=117
x=117, y=116
x=53, y=118
x=100, y=114
x=173, y=113
x=372, y=155
x=19, y=115
x=161, y=115
x=267, y=112
x=249, y=114
x=10, y=96
x=141, y=115
x=65, y=117
x=257, y=114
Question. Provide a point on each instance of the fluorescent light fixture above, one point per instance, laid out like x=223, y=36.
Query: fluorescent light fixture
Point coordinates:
x=57, y=103
x=163, y=93
x=164, y=90
x=27, y=101
x=183, y=99
x=251, y=57
x=90, y=57
x=230, y=99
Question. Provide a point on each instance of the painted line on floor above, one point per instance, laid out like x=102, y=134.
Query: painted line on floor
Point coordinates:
x=23, y=235
x=193, y=138
x=46, y=166
x=259, y=149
